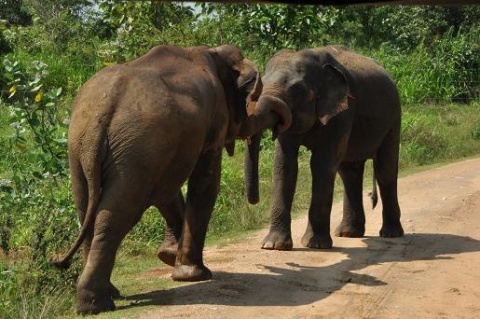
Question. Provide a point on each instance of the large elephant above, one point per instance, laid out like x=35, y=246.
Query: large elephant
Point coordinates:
x=345, y=109
x=138, y=131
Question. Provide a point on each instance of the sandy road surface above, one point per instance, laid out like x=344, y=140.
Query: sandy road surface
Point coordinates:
x=431, y=272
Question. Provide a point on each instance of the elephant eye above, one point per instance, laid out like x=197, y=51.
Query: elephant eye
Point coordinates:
x=248, y=83
x=298, y=90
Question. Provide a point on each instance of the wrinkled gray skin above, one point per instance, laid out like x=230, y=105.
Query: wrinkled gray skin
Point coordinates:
x=138, y=131
x=345, y=110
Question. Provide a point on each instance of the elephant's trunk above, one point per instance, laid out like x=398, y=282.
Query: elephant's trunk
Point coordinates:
x=278, y=106
x=251, y=168
x=267, y=113
x=262, y=113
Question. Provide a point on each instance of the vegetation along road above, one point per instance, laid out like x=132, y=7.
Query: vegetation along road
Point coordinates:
x=431, y=272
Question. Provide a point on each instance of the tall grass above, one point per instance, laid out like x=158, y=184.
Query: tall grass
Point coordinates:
x=447, y=72
x=436, y=133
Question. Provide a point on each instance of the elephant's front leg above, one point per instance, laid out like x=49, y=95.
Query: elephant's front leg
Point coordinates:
x=173, y=213
x=323, y=165
x=203, y=188
x=285, y=171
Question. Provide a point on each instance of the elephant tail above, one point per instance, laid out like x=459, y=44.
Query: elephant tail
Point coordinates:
x=373, y=194
x=91, y=159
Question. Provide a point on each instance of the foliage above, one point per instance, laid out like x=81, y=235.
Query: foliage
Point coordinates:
x=4, y=46
x=269, y=28
x=37, y=215
x=452, y=74
x=14, y=12
x=47, y=10
x=132, y=28
x=279, y=26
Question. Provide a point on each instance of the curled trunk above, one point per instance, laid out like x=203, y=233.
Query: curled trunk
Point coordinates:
x=269, y=112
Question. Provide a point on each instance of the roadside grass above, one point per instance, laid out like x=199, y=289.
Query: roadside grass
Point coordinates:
x=434, y=133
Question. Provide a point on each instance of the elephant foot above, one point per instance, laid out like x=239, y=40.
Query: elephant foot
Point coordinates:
x=114, y=292
x=317, y=241
x=90, y=304
x=391, y=230
x=276, y=240
x=168, y=252
x=191, y=273
x=350, y=230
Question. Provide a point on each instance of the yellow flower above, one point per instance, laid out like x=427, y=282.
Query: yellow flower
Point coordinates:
x=38, y=97
x=12, y=91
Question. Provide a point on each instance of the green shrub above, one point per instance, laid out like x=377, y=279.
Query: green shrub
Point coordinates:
x=37, y=215
x=448, y=71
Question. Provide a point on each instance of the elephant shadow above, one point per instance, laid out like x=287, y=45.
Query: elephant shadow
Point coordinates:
x=311, y=283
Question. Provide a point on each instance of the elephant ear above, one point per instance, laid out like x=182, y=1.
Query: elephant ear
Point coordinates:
x=247, y=78
x=241, y=76
x=332, y=96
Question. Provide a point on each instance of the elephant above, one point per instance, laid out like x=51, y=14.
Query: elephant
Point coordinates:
x=345, y=110
x=138, y=132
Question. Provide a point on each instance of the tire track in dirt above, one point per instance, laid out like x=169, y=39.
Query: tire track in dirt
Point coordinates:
x=391, y=273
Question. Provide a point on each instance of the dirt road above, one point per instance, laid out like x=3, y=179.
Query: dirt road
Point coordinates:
x=431, y=272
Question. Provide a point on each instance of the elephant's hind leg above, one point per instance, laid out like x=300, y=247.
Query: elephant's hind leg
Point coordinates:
x=203, y=188
x=173, y=214
x=118, y=211
x=353, y=222
x=386, y=172
x=80, y=191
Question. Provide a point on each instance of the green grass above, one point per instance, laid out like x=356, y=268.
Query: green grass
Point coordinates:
x=68, y=72
x=437, y=133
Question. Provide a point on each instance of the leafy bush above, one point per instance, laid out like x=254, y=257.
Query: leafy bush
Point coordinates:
x=449, y=74
x=37, y=215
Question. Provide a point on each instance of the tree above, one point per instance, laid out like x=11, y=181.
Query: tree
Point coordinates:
x=133, y=27
x=14, y=12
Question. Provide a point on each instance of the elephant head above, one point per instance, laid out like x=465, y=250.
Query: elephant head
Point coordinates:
x=243, y=86
x=311, y=84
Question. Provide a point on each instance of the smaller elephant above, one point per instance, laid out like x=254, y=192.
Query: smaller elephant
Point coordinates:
x=138, y=131
x=345, y=109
